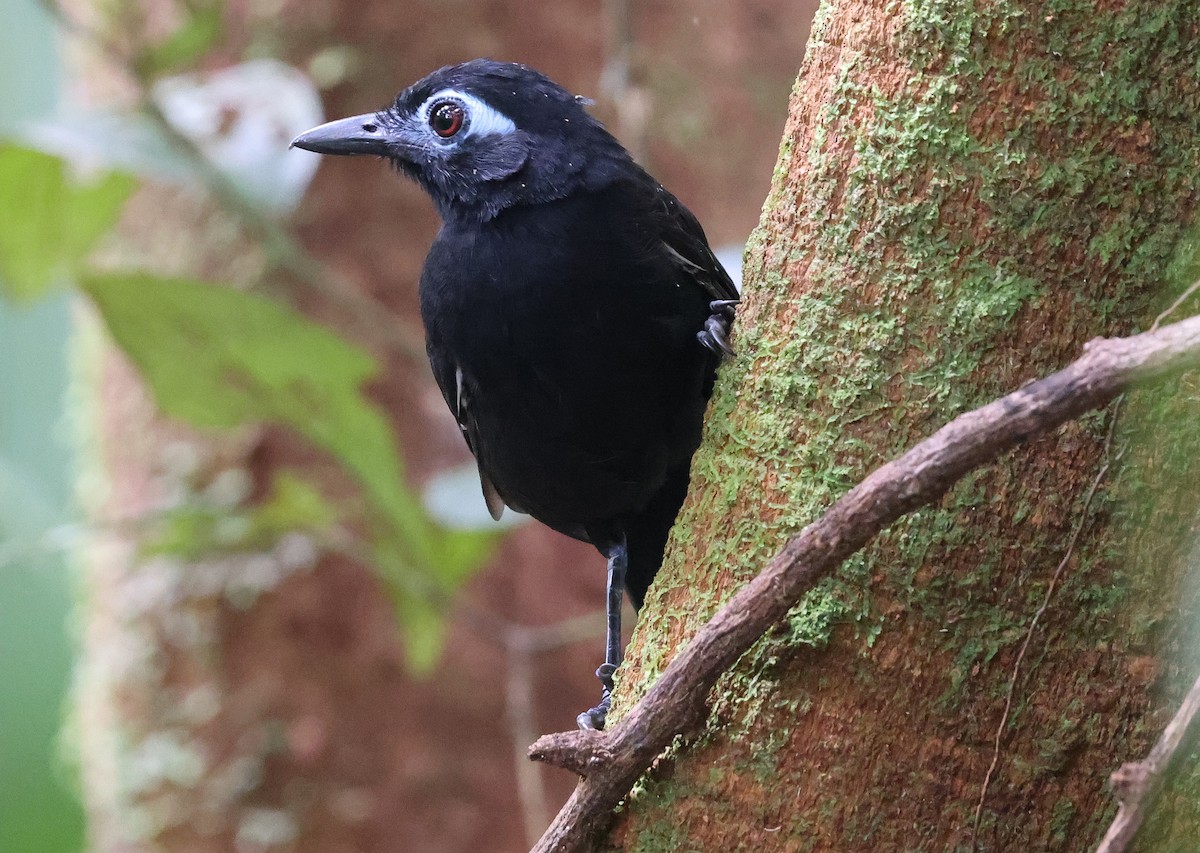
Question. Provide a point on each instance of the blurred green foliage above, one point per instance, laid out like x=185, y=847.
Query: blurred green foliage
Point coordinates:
x=212, y=355
x=199, y=31
x=217, y=357
x=63, y=219
x=39, y=811
x=201, y=529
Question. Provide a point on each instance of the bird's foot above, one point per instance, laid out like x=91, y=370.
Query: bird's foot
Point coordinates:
x=593, y=718
x=715, y=336
x=725, y=308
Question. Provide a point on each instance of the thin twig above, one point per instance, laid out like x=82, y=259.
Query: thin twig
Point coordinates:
x=372, y=321
x=522, y=728
x=631, y=101
x=522, y=646
x=1033, y=623
x=1139, y=783
x=678, y=700
x=546, y=638
x=1170, y=309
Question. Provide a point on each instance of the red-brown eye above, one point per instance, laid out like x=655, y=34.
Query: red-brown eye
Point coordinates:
x=447, y=118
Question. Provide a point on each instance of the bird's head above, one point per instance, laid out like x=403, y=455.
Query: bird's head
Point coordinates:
x=481, y=137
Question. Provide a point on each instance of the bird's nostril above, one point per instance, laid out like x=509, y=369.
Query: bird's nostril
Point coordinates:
x=370, y=127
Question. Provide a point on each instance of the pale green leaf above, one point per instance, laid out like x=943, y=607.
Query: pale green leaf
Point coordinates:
x=424, y=630
x=51, y=220
x=218, y=357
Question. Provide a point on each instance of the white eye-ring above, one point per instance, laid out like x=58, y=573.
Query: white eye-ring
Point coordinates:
x=451, y=113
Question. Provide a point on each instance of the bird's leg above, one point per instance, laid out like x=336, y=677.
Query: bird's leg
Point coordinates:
x=618, y=562
x=715, y=336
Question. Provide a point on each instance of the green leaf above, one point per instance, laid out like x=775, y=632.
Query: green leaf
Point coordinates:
x=424, y=628
x=293, y=505
x=218, y=357
x=421, y=601
x=187, y=44
x=51, y=221
x=198, y=528
x=461, y=552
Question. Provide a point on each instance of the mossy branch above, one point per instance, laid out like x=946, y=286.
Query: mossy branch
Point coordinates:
x=677, y=701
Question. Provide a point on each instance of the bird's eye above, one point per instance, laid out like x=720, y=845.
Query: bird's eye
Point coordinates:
x=447, y=118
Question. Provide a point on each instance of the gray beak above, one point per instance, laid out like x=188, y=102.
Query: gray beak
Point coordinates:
x=355, y=135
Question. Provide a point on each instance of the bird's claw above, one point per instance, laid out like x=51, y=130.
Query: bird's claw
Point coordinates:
x=605, y=673
x=593, y=718
x=715, y=336
x=724, y=307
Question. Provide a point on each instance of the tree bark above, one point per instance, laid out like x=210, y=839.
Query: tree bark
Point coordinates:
x=966, y=193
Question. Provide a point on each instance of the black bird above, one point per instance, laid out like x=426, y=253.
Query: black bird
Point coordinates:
x=574, y=312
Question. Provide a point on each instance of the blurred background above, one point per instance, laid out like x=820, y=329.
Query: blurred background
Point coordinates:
x=250, y=597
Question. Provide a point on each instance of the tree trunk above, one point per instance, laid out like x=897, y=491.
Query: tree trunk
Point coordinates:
x=965, y=195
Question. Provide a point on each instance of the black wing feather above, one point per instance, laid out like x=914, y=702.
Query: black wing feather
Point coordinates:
x=456, y=391
x=684, y=239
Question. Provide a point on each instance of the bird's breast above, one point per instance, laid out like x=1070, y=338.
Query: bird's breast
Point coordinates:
x=584, y=368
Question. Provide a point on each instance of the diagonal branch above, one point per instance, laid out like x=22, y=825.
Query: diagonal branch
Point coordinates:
x=1138, y=783
x=676, y=703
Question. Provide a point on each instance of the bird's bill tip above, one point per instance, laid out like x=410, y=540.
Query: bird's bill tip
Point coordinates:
x=355, y=135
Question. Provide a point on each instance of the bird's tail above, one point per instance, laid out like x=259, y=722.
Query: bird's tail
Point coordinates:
x=646, y=535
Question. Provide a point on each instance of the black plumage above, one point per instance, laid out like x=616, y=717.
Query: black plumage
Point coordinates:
x=574, y=312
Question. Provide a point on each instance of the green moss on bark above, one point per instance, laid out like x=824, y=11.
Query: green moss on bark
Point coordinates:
x=967, y=193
